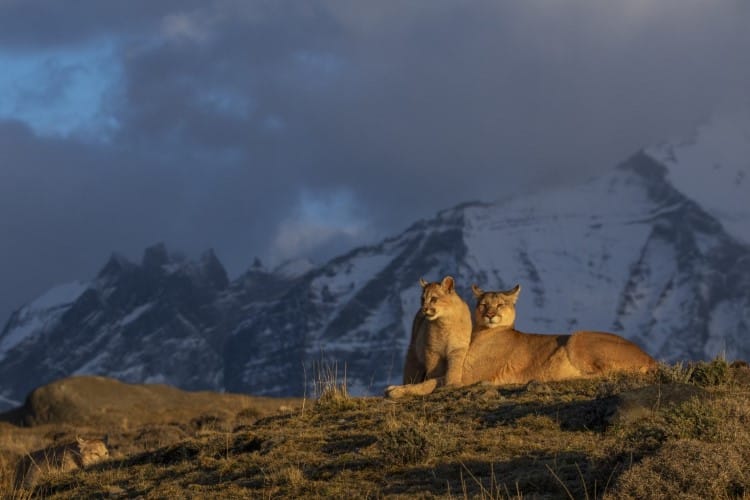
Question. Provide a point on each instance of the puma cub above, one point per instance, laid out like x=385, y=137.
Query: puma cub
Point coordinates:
x=62, y=458
x=441, y=333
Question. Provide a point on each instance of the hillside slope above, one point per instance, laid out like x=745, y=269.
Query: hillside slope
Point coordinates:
x=682, y=433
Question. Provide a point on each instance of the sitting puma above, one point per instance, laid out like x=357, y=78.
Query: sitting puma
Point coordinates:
x=440, y=335
x=63, y=458
x=502, y=355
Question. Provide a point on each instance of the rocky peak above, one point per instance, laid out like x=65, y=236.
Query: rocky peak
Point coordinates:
x=213, y=271
x=626, y=252
x=155, y=257
x=115, y=266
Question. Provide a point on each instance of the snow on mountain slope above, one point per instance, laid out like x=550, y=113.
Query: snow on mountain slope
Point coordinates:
x=631, y=252
x=348, y=312
x=625, y=252
x=566, y=248
x=713, y=168
x=40, y=315
x=148, y=322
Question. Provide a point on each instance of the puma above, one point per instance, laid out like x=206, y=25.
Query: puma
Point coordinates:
x=502, y=355
x=441, y=332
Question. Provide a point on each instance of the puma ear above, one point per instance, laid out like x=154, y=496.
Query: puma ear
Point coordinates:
x=80, y=440
x=448, y=283
x=105, y=439
x=478, y=292
x=422, y=282
x=513, y=293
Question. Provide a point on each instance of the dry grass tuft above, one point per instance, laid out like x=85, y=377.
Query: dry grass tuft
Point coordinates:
x=412, y=441
x=286, y=476
x=331, y=392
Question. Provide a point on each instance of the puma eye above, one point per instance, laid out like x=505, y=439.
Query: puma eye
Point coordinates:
x=433, y=300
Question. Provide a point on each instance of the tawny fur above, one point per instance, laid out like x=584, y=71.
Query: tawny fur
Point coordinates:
x=62, y=458
x=502, y=355
x=495, y=309
x=441, y=333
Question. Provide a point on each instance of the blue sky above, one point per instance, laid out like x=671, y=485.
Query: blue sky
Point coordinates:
x=299, y=129
x=61, y=91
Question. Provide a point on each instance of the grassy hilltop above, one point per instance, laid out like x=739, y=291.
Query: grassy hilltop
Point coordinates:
x=681, y=433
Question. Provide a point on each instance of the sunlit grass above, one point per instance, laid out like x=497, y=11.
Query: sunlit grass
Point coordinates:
x=614, y=437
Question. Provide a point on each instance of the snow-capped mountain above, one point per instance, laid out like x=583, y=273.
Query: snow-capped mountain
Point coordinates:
x=713, y=169
x=634, y=251
x=152, y=322
x=625, y=252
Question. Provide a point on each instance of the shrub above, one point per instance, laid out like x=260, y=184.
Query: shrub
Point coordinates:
x=687, y=469
x=696, y=419
x=711, y=373
x=412, y=441
x=701, y=373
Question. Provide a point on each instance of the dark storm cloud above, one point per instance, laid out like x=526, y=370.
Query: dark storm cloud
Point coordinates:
x=231, y=113
x=39, y=23
x=65, y=206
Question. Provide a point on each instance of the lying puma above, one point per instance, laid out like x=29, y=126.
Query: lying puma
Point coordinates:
x=500, y=354
x=495, y=309
x=63, y=458
x=440, y=335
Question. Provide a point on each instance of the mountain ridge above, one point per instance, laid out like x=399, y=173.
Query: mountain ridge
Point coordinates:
x=625, y=251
